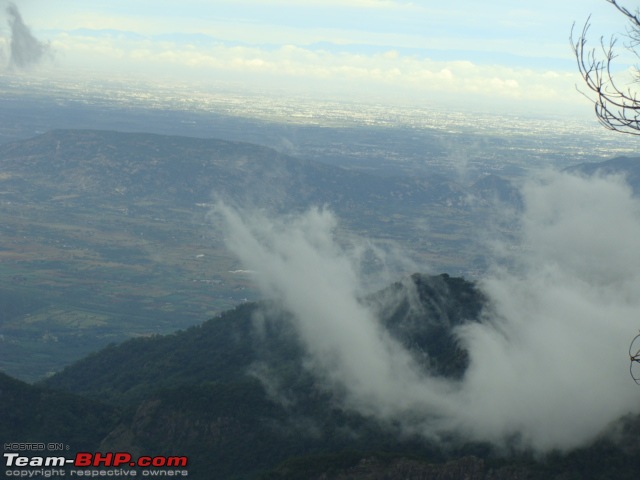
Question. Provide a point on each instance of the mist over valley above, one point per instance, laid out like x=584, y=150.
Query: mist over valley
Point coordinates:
x=316, y=250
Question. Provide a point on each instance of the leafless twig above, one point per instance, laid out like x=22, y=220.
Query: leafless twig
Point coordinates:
x=615, y=107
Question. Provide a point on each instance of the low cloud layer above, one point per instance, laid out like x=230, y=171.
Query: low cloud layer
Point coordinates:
x=25, y=49
x=548, y=365
x=552, y=363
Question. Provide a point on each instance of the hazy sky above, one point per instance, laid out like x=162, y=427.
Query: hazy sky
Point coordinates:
x=506, y=52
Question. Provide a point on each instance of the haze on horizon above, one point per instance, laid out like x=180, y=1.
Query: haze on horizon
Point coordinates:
x=504, y=57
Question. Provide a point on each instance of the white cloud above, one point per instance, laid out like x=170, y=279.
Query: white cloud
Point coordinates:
x=548, y=365
x=301, y=265
x=564, y=317
x=389, y=49
x=381, y=74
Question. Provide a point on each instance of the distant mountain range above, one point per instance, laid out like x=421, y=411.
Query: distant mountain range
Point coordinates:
x=627, y=167
x=123, y=169
x=105, y=235
x=128, y=169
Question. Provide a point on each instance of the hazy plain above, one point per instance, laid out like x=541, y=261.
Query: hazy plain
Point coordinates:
x=69, y=290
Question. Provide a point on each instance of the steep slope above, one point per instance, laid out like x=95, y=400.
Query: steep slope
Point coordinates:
x=36, y=414
x=238, y=398
x=235, y=397
x=421, y=312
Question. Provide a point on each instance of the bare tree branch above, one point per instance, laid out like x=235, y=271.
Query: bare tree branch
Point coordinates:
x=616, y=108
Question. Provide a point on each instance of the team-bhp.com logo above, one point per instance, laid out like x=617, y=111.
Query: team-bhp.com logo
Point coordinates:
x=123, y=458
x=94, y=465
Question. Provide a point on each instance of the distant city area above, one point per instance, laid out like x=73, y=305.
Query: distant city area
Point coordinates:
x=393, y=139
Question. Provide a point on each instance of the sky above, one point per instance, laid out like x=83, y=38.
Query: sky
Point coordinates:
x=501, y=54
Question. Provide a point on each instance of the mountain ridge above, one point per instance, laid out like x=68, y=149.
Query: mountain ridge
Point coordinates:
x=199, y=393
x=131, y=163
x=224, y=383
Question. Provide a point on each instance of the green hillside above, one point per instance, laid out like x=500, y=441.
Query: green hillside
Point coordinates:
x=200, y=391
x=35, y=414
x=239, y=402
